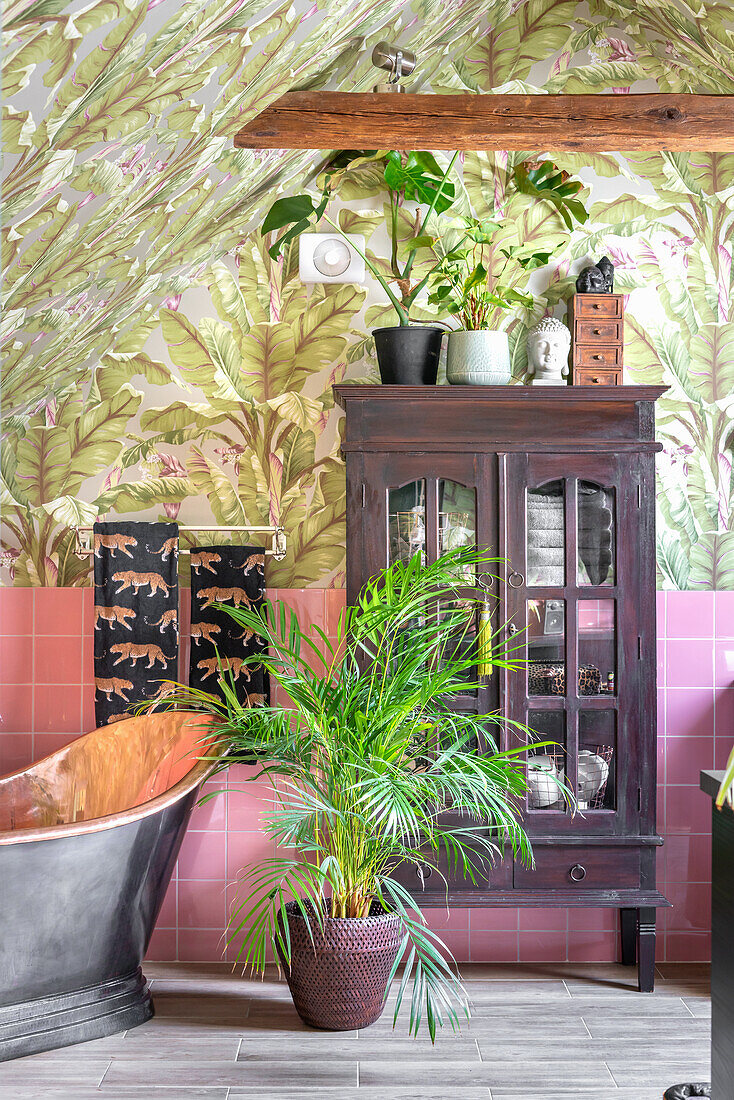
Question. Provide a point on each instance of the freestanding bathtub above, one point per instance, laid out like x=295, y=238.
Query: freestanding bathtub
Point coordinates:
x=88, y=839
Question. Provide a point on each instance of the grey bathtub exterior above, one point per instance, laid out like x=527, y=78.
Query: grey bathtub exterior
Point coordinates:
x=77, y=909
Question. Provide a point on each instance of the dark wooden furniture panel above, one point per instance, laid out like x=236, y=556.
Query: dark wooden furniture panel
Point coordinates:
x=594, y=377
x=559, y=483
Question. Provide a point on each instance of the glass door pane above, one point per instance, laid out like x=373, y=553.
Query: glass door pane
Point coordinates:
x=546, y=636
x=546, y=534
x=407, y=521
x=597, y=760
x=596, y=551
x=547, y=764
x=597, y=647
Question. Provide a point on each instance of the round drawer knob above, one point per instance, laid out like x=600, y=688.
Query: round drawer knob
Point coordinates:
x=577, y=873
x=597, y=380
x=424, y=873
x=594, y=305
x=597, y=332
x=597, y=357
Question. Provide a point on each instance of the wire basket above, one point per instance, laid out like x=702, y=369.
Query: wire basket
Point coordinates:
x=594, y=771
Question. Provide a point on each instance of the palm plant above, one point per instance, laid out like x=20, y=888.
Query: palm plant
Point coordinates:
x=726, y=790
x=366, y=763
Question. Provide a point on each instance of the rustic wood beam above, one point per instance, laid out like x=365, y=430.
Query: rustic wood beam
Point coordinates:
x=592, y=123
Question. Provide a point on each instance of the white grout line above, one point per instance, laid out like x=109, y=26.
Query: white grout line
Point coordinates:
x=566, y=988
x=239, y=1048
x=476, y=1043
x=583, y=1021
x=611, y=1075
x=99, y=1086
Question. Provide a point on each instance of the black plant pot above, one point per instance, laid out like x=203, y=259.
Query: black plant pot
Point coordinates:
x=408, y=355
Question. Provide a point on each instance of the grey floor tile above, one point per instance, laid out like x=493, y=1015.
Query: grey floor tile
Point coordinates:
x=71, y=1073
x=655, y=1029
x=320, y=1074
x=588, y=1092
x=700, y=1006
x=290, y=1047
x=659, y=1075
x=700, y=971
x=456, y=1075
x=83, y=1092
x=380, y=1093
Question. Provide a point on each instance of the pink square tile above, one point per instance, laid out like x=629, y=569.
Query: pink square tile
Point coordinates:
x=457, y=943
x=725, y=713
x=688, y=946
x=686, y=757
x=45, y=744
x=162, y=946
x=543, y=946
x=725, y=663
x=725, y=614
x=16, y=659
x=16, y=752
x=493, y=920
x=722, y=750
x=212, y=814
x=440, y=921
x=689, y=664
x=543, y=920
x=16, y=610
x=88, y=613
x=201, y=904
x=197, y=945
x=57, y=660
x=335, y=602
x=308, y=603
x=16, y=708
x=58, y=611
x=660, y=604
x=202, y=856
x=690, y=615
x=600, y=946
x=491, y=946
x=245, y=850
x=691, y=907
x=662, y=662
x=247, y=800
x=687, y=810
x=89, y=721
x=57, y=709
x=167, y=915
x=689, y=712
x=593, y=920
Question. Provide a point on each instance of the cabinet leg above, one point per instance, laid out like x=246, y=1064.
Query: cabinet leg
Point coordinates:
x=646, y=950
x=628, y=929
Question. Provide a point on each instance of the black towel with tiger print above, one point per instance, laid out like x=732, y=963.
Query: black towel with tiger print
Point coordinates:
x=135, y=614
x=232, y=575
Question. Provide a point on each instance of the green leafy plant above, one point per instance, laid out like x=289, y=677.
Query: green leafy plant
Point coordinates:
x=414, y=176
x=726, y=790
x=365, y=766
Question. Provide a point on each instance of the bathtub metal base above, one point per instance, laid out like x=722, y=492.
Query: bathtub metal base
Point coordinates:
x=75, y=1017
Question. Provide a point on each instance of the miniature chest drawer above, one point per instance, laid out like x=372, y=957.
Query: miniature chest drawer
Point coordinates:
x=601, y=331
x=581, y=868
x=597, y=355
x=597, y=305
x=589, y=376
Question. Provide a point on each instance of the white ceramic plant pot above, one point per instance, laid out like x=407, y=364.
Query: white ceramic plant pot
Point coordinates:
x=479, y=358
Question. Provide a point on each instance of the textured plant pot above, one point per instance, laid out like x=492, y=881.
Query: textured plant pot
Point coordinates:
x=408, y=355
x=339, y=981
x=480, y=358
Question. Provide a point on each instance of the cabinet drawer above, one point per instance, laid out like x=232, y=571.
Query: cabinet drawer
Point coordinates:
x=597, y=305
x=602, y=331
x=495, y=877
x=587, y=376
x=581, y=869
x=597, y=355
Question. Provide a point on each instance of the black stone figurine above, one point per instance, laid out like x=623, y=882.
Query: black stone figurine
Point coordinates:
x=597, y=279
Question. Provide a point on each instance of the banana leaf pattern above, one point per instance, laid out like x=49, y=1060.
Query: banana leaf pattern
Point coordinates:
x=155, y=360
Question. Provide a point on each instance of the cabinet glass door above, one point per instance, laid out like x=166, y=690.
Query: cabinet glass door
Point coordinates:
x=563, y=530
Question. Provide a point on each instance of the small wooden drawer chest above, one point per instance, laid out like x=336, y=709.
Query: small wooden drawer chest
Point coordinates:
x=597, y=339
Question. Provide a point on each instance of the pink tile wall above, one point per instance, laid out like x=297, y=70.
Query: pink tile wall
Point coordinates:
x=46, y=699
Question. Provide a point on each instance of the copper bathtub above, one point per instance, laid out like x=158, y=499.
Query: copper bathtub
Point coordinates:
x=88, y=840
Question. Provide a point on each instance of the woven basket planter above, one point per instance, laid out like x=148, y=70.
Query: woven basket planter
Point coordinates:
x=339, y=981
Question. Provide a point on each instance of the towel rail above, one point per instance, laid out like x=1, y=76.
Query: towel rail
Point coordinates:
x=83, y=545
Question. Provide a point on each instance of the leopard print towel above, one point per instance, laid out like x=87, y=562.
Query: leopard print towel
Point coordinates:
x=135, y=614
x=233, y=575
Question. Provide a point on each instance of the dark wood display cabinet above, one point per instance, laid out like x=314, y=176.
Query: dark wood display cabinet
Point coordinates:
x=558, y=482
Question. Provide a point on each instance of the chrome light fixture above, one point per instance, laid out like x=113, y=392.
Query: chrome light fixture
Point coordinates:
x=397, y=61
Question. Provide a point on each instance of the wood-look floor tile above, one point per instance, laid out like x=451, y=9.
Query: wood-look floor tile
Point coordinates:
x=85, y=1092
x=204, y=1046
x=641, y=1049
x=320, y=1074
x=588, y=1092
x=329, y=1045
x=657, y=1074
x=379, y=1093
x=656, y=1029
x=699, y=971
x=73, y=1072
x=700, y=1006
x=456, y=1075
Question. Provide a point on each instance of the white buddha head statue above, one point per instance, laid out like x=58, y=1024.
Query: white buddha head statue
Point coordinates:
x=548, y=345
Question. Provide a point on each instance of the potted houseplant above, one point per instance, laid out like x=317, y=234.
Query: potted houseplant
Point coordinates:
x=406, y=353
x=485, y=274
x=360, y=769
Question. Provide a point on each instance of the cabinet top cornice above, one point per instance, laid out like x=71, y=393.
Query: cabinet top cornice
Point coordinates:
x=531, y=395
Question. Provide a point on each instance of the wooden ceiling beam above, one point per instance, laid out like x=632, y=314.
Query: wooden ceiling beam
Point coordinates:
x=592, y=123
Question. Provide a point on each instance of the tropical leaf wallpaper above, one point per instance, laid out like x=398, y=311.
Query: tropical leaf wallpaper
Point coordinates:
x=156, y=360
